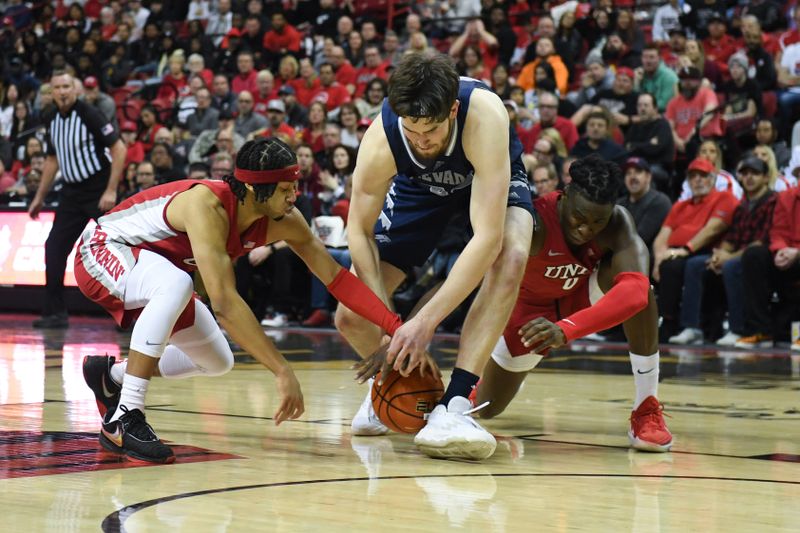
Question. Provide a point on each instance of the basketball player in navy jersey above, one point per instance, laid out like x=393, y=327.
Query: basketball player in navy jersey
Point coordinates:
x=441, y=144
x=583, y=246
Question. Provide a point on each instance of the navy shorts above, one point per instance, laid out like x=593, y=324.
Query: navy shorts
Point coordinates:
x=413, y=218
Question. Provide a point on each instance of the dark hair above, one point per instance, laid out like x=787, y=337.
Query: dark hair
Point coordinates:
x=261, y=154
x=652, y=97
x=597, y=179
x=199, y=165
x=652, y=46
x=424, y=85
x=602, y=115
x=351, y=162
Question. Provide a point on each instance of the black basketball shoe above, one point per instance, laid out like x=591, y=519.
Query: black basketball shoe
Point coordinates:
x=97, y=374
x=134, y=437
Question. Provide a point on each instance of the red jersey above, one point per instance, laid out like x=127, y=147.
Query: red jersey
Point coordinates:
x=557, y=270
x=688, y=217
x=346, y=74
x=260, y=102
x=140, y=223
x=305, y=90
x=332, y=96
x=288, y=39
x=245, y=83
x=366, y=75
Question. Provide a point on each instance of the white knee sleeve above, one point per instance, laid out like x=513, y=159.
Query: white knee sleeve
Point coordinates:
x=200, y=350
x=163, y=290
x=521, y=363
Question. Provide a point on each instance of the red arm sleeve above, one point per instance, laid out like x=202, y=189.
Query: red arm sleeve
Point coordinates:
x=356, y=296
x=628, y=296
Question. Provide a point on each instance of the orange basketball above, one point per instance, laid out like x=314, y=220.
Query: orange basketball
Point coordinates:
x=401, y=403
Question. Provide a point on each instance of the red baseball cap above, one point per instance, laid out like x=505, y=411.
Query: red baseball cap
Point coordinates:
x=625, y=71
x=702, y=165
x=90, y=82
x=127, y=125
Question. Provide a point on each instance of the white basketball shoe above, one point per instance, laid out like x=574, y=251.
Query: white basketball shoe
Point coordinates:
x=452, y=432
x=366, y=423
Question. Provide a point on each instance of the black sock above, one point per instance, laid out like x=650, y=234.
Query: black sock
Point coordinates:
x=461, y=384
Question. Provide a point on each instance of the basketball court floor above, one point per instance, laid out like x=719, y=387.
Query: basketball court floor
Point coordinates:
x=562, y=461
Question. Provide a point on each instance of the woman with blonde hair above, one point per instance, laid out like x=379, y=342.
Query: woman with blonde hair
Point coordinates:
x=552, y=135
x=288, y=69
x=710, y=151
x=777, y=181
x=710, y=69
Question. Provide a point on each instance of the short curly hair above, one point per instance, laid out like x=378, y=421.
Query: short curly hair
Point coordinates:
x=598, y=180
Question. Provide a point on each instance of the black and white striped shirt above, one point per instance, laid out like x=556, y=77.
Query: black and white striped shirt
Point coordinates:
x=81, y=142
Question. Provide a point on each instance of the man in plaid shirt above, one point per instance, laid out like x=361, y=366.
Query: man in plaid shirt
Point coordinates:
x=750, y=227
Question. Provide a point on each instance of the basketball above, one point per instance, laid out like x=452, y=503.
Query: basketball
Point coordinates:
x=401, y=403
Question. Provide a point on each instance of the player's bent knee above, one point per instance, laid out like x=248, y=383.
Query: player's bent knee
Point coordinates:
x=346, y=320
x=221, y=365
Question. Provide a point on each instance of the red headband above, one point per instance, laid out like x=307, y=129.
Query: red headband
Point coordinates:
x=256, y=177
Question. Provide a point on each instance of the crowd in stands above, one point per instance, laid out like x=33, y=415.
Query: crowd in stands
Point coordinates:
x=697, y=100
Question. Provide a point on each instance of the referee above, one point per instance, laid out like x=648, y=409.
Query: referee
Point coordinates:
x=87, y=149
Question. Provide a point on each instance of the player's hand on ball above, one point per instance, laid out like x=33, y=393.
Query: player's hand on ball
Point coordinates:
x=369, y=367
x=409, y=345
x=291, y=397
x=540, y=333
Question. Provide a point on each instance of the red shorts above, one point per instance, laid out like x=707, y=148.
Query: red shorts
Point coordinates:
x=524, y=312
x=101, y=270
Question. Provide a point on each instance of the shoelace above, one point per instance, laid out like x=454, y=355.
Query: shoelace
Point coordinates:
x=136, y=424
x=659, y=410
x=468, y=411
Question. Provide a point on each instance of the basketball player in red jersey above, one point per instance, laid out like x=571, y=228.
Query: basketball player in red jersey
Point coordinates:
x=136, y=264
x=579, y=235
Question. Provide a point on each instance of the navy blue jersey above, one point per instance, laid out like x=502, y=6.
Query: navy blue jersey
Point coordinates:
x=451, y=171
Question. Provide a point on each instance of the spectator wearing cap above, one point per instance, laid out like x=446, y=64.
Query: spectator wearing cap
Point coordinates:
x=93, y=96
x=648, y=206
x=750, y=227
x=619, y=101
x=694, y=110
x=363, y=126
x=692, y=227
x=247, y=121
x=666, y=18
x=330, y=92
x=306, y=84
x=296, y=115
x=595, y=78
x=710, y=150
x=650, y=138
x=277, y=126
x=596, y=140
x=719, y=45
x=204, y=116
x=135, y=150
x=742, y=97
x=209, y=143
x=374, y=67
x=677, y=47
x=770, y=268
x=245, y=80
x=281, y=39
x=655, y=77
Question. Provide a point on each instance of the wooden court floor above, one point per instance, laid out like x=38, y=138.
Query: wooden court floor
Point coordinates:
x=562, y=462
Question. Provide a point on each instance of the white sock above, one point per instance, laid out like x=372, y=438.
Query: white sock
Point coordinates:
x=132, y=396
x=175, y=364
x=645, y=376
x=118, y=371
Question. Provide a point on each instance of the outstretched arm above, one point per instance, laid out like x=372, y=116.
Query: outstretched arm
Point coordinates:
x=200, y=214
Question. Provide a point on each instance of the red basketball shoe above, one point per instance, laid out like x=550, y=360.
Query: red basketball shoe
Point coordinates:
x=648, y=431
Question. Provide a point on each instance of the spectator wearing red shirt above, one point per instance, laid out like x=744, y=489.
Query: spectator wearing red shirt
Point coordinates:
x=307, y=85
x=135, y=150
x=719, y=45
x=676, y=48
x=692, y=227
x=330, y=92
x=691, y=106
x=374, y=67
x=282, y=38
x=175, y=80
x=265, y=91
x=548, y=118
x=245, y=80
x=276, y=113
x=317, y=120
x=346, y=73
x=772, y=269
x=197, y=66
